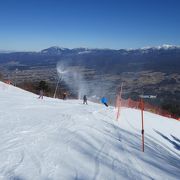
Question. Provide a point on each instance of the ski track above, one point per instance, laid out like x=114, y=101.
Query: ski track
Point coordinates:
x=97, y=163
x=8, y=170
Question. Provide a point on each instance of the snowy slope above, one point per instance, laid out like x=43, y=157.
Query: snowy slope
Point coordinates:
x=54, y=139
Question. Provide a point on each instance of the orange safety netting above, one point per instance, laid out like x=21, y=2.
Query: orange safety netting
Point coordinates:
x=7, y=81
x=129, y=103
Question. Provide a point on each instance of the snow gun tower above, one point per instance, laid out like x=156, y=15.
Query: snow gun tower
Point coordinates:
x=59, y=79
x=142, y=114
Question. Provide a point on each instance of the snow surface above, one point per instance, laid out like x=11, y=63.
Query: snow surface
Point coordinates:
x=63, y=140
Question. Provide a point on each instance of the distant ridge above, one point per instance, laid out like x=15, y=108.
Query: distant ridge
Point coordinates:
x=164, y=46
x=56, y=50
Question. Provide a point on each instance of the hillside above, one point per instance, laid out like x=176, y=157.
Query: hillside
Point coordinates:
x=56, y=139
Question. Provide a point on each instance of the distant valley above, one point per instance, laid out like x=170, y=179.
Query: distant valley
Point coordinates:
x=153, y=70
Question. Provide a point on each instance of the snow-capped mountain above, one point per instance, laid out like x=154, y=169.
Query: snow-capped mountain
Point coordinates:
x=164, y=46
x=54, y=50
x=152, y=49
x=56, y=139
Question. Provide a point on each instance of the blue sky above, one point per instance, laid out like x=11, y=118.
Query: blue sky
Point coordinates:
x=37, y=24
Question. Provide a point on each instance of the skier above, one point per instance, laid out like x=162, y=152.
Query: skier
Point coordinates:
x=104, y=101
x=85, y=99
x=64, y=95
x=41, y=94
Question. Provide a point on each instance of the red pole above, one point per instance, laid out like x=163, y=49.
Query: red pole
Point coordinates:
x=142, y=108
x=116, y=103
x=119, y=99
x=118, y=106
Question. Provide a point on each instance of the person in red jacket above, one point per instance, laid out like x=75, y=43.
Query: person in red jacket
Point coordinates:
x=64, y=95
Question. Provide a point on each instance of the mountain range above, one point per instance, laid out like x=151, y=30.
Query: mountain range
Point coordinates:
x=166, y=55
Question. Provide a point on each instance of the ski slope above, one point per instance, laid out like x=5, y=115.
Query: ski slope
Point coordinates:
x=52, y=139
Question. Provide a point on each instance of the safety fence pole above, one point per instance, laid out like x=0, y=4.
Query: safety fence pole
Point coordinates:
x=142, y=118
x=119, y=99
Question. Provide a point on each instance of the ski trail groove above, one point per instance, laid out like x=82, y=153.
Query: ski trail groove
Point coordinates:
x=9, y=172
x=97, y=163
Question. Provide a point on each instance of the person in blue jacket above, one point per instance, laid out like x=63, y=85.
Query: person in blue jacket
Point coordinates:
x=104, y=101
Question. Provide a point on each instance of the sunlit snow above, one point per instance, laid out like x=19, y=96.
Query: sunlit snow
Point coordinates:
x=63, y=140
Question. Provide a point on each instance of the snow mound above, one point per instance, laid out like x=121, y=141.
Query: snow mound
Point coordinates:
x=56, y=139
